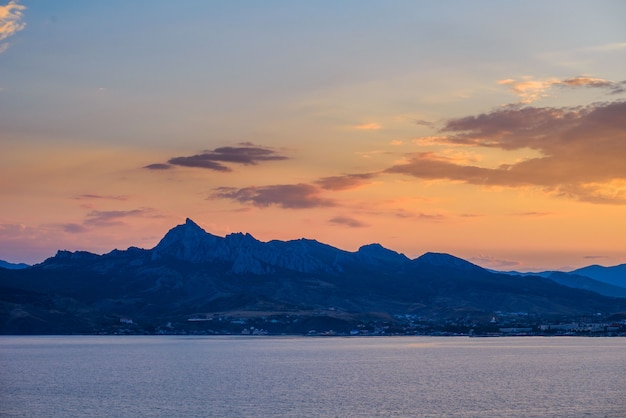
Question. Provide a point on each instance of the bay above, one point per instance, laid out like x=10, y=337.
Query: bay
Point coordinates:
x=222, y=376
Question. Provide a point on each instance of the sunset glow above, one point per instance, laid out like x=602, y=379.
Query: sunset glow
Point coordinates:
x=422, y=126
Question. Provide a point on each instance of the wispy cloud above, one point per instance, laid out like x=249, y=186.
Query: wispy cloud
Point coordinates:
x=10, y=22
x=287, y=196
x=113, y=217
x=158, y=166
x=74, y=228
x=583, y=151
x=215, y=159
x=532, y=214
x=345, y=182
x=422, y=122
x=368, y=127
x=433, y=217
x=347, y=221
x=493, y=262
x=530, y=90
x=106, y=218
x=89, y=196
x=595, y=257
x=430, y=140
x=607, y=47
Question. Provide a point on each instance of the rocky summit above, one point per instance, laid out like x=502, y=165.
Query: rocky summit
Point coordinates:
x=196, y=282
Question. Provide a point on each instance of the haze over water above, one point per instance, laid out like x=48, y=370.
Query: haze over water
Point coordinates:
x=297, y=377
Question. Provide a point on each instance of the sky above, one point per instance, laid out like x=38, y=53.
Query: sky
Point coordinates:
x=493, y=131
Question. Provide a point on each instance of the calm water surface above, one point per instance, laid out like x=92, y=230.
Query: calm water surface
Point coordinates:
x=309, y=377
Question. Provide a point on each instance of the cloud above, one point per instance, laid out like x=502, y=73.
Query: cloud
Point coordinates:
x=433, y=217
x=606, y=48
x=531, y=90
x=347, y=221
x=533, y=214
x=73, y=228
x=405, y=214
x=112, y=217
x=158, y=166
x=425, y=141
x=287, y=196
x=492, y=262
x=88, y=196
x=10, y=21
x=595, y=257
x=584, y=81
x=199, y=161
x=7, y=230
x=470, y=215
x=582, y=149
x=428, y=165
x=213, y=159
x=368, y=127
x=344, y=182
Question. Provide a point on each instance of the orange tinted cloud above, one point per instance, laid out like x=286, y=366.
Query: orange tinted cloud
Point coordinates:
x=528, y=90
x=531, y=90
x=114, y=217
x=347, y=181
x=10, y=21
x=583, y=151
x=368, y=127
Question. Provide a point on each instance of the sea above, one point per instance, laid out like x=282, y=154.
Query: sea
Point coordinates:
x=262, y=376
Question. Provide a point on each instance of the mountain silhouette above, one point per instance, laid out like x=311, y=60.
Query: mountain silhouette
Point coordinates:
x=192, y=275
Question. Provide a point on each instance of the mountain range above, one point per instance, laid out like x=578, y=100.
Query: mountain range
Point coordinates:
x=192, y=276
x=13, y=266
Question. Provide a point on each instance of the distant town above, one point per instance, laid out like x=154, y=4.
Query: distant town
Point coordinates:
x=501, y=324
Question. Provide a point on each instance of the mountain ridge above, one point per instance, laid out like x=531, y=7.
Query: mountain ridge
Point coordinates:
x=13, y=266
x=613, y=275
x=193, y=274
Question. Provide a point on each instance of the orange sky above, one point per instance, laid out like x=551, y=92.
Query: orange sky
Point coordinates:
x=423, y=127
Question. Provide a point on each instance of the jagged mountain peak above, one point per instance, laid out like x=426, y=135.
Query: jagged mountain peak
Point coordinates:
x=373, y=246
x=241, y=237
x=183, y=231
x=190, y=227
x=187, y=242
x=191, y=224
x=64, y=256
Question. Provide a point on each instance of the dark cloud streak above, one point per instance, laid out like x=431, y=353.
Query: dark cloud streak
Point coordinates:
x=158, y=166
x=347, y=181
x=347, y=221
x=287, y=196
x=89, y=196
x=199, y=161
x=212, y=160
